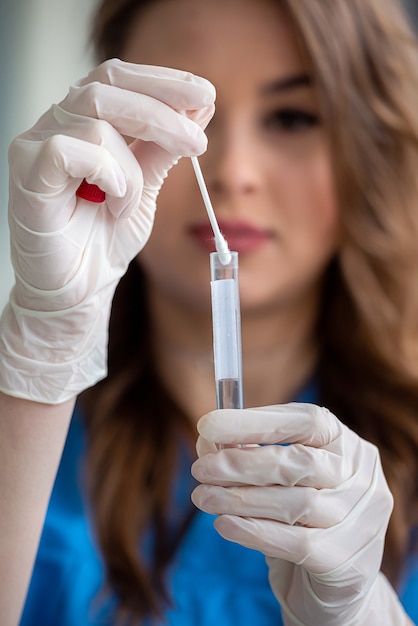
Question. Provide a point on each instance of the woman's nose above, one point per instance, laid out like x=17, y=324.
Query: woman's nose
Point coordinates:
x=231, y=165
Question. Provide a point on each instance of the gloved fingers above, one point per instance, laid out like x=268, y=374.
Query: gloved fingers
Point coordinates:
x=55, y=168
x=273, y=465
x=149, y=153
x=201, y=116
x=179, y=89
x=138, y=116
x=160, y=133
x=62, y=157
x=203, y=446
x=100, y=114
x=300, y=545
x=274, y=539
x=322, y=552
x=303, y=423
x=155, y=164
x=302, y=506
x=354, y=539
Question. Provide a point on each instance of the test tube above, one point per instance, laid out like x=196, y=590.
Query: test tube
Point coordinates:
x=226, y=321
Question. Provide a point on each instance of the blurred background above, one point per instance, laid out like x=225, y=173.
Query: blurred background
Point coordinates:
x=43, y=49
x=412, y=7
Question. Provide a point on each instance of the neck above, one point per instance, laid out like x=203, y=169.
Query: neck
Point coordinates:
x=279, y=354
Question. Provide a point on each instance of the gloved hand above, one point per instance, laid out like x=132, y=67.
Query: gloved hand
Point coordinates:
x=318, y=509
x=69, y=254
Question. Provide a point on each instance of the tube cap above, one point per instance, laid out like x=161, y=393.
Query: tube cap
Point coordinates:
x=90, y=192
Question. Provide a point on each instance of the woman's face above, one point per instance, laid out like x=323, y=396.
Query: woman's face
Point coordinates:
x=267, y=167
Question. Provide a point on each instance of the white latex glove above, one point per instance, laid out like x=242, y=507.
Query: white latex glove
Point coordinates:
x=69, y=254
x=318, y=509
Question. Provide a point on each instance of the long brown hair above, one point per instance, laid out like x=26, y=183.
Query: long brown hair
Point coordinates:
x=364, y=62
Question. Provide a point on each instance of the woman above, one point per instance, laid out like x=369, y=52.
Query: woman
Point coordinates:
x=311, y=168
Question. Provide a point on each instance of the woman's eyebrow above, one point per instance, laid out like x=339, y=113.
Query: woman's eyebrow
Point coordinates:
x=284, y=84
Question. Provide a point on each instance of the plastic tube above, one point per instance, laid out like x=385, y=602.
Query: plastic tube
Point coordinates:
x=226, y=317
x=226, y=321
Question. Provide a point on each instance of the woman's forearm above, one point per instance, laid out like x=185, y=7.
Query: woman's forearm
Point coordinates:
x=32, y=436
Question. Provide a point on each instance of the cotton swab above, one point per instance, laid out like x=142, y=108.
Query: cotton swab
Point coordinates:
x=221, y=244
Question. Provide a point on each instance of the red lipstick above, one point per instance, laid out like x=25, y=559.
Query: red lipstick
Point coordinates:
x=241, y=236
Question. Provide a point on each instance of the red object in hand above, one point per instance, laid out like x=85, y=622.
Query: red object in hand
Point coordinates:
x=90, y=192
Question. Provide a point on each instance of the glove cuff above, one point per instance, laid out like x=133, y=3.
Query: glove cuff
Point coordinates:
x=382, y=606
x=45, y=358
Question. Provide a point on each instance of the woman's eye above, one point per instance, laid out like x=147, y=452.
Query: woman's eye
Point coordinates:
x=290, y=120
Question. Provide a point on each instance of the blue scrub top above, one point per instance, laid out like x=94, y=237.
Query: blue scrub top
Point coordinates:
x=211, y=580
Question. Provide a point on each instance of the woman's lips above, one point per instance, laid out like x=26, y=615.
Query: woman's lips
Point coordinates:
x=241, y=236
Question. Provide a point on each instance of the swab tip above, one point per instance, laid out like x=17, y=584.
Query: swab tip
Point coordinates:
x=222, y=249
